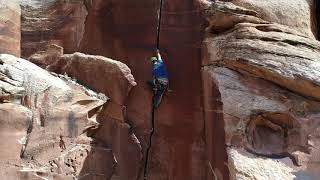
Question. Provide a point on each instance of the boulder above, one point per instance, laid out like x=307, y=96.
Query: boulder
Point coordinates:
x=44, y=116
x=260, y=80
x=244, y=165
x=266, y=49
x=114, y=79
x=297, y=14
x=98, y=73
x=272, y=52
x=263, y=120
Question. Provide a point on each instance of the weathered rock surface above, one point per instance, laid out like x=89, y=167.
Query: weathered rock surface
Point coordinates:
x=254, y=98
x=271, y=52
x=267, y=121
x=83, y=67
x=178, y=150
x=52, y=21
x=42, y=117
x=130, y=37
x=10, y=13
x=297, y=14
x=114, y=79
x=260, y=78
x=247, y=166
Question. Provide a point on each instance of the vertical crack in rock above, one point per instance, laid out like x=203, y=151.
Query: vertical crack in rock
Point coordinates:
x=317, y=7
x=26, y=140
x=150, y=143
x=153, y=98
x=214, y=128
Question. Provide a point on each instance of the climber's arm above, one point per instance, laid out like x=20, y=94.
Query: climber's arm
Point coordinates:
x=158, y=55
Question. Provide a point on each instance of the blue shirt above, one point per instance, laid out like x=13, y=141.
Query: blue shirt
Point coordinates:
x=159, y=69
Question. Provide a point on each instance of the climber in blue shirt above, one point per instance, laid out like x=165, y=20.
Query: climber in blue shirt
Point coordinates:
x=160, y=82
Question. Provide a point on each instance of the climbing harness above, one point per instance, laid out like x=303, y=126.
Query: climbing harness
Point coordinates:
x=145, y=173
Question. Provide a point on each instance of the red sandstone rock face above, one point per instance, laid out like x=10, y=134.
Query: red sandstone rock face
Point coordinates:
x=107, y=72
x=297, y=14
x=52, y=21
x=262, y=74
x=42, y=118
x=10, y=27
x=110, y=32
x=179, y=138
x=115, y=80
x=178, y=150
x=210, y=108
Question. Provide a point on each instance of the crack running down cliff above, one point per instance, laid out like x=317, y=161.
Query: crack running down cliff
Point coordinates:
x=153, y=98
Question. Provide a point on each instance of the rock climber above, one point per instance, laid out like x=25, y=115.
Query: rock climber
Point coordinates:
x=160, y=82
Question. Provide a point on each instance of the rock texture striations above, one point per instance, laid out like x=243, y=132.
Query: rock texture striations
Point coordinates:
x=265, y=68
x=52, y=113
x=245, y=78
x=42, y=118
x=10, y=27
x=46, y=22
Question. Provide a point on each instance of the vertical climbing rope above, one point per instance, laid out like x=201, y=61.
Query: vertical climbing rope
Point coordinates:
x=159, y=25
x=153, y=98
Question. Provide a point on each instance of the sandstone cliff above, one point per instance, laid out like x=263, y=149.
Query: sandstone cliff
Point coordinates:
x=261, y=68
x=245, y=78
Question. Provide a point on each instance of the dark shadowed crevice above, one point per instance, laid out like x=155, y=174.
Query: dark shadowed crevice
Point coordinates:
x=99, y=25
x=270, y=134
x=152, y=131
x=214, y=127
x=29, y=131
x=317, y=14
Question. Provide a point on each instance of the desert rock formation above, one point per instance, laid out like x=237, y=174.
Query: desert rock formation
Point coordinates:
x=245, y=77
x=263, y=75
x=10, y=27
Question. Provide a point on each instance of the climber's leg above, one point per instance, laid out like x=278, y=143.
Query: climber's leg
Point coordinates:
x=152, y=84
x=162, y=86
x=157, y=98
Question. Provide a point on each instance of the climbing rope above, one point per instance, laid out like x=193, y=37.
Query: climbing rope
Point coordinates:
x=159, y=25
x=153, y=98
